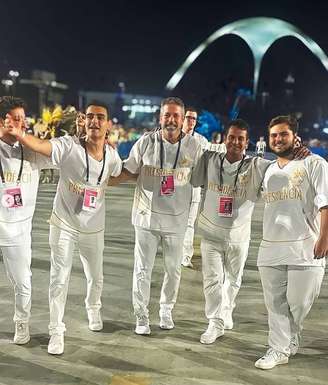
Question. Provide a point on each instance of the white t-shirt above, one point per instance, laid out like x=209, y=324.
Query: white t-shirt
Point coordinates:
x=69, y=156
x=236, y=228
x=12, y=220
x=293, y=196
x=151, y=210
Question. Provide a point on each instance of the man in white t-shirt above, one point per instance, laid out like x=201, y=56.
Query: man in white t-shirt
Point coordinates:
x=19, y=173
x=78, y=216
x=231, y=187
x=188, y=127
x=292, y=253
x=163, y=161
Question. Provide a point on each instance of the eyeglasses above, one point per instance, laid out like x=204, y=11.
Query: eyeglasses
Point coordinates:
x=191, y=117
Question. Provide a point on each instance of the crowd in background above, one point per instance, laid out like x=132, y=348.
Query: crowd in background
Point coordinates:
x=57, y=121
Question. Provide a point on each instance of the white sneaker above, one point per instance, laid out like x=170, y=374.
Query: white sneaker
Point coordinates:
x=166, y=320
x=56, y=344
x=294, y=344
x=228, y=321
x=186, y=262
x=142, y=325
x=22, y=333
x=95, y=321
x=271, y=359
x=211, y=334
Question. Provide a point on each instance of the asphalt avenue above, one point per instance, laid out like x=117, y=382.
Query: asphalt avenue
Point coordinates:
x=119, y=357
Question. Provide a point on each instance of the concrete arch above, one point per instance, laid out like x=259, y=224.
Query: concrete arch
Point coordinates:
x=259, y=33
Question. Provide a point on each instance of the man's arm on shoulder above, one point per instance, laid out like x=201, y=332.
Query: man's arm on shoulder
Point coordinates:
x=41, y=146
x=123, y=177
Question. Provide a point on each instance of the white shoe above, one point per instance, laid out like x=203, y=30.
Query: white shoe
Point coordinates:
x=95, y=321
x=166, y=320
x=211, y=334
x=228, y=321
x=294, y=344
x=271, y=359
x=56, y=344
x=186, y=262
x=142, y=325
x=22, y=333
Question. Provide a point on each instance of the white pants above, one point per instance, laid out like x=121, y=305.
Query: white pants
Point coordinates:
x=188, y=242
x=17, y=261
x=146, y=246
x=289, y=292
x=223, y=266
x=62, y=243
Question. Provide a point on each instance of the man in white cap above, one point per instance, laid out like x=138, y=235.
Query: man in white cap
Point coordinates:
x=292, y=253
x=78, y=216
x=19, y=172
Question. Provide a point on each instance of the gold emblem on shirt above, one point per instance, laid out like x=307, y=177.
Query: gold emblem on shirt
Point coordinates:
x=297, y=177
x=185, y=162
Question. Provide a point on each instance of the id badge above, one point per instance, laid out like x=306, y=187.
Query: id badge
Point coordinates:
x=12, y=197
x=167, y=185
x=225, y=207
x=90, y=199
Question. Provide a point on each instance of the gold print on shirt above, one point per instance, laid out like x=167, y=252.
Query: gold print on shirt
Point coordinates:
x=297, y=177
x=227, y=190
x=243, y=179
x=181, y=175
x=185, y=162
x=287, y=193
x=76, y=188
x=11, y=177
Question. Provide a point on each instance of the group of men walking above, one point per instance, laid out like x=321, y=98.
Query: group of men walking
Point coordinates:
x=170, y=165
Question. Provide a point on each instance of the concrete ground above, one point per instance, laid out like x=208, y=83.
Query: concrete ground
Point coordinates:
x=119, y=357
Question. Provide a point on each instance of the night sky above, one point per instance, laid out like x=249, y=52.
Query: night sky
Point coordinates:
x=96, y=44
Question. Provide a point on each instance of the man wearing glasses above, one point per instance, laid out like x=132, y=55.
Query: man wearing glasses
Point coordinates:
x=188, y=127
x=78, y=217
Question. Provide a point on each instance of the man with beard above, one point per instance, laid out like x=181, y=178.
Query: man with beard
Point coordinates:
x=188, y=127
x=19, y=172
x=292, y=253
x=163, y=160
x=78, y=217
x=232, y=184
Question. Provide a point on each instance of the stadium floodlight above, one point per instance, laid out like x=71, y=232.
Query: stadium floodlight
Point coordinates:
x=259, y=33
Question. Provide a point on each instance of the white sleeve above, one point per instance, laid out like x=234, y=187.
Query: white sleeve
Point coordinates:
x=61, y=147
x=134, y=161
x=319, y=180
x=44, y=162
x=118, y=164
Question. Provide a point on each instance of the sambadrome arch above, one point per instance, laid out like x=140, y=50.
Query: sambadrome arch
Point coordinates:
x=259, y=33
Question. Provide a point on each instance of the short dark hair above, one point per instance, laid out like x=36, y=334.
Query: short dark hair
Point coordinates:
x=98, y=103
x=173, y=100
x=191, y=109
x=239, y=123
x=290, y=120
x=8, y=103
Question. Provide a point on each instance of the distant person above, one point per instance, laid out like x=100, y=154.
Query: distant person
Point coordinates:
x=260, y=147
